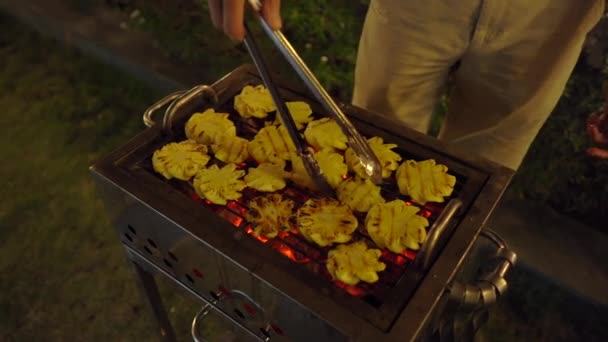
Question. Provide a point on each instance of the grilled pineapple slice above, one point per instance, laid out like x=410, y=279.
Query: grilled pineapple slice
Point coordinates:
x=354, y=262
x=425, y=181
x=300, y=112
x=207, y=127
x=395, y=225
x=359, y=194
x=389, y=160
x=231, y=149
x=254, y=102
x=326, y=221
x=219, y=185
x=270, y=214
x=271, y=144
x=325, y=133
x=331, y=164
x=266, y=177
x=180, y=160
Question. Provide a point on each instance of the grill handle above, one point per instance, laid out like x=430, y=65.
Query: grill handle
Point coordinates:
x=177, y=101
x=436, y=232
x=488, y=289
x=165, y=101
x=230, y=330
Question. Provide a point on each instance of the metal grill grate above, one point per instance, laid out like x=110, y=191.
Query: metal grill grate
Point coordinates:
x=295, y=247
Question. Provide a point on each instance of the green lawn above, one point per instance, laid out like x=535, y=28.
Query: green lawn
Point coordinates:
x=63, y=275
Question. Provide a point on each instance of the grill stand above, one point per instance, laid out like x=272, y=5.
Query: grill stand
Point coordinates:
x=149, y=290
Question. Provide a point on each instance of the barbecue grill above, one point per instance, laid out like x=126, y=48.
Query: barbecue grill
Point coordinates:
x=278, y=289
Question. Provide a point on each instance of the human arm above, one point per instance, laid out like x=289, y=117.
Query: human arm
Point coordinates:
x=228, y=16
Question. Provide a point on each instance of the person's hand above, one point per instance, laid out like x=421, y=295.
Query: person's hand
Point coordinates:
x=227, y=15
x=597, y=127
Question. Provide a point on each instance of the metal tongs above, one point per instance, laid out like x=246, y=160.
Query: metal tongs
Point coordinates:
x=367, y=158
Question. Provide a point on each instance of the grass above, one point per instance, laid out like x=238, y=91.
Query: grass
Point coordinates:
x=64, y=275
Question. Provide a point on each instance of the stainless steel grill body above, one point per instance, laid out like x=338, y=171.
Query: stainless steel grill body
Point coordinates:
x=264, y=294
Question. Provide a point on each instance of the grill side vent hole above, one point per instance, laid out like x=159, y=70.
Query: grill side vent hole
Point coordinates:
x=147, y=249
x=239, y=313
x=189, y=278
x=152, y=243
x=131, y=229
x=172, y=256
x=198, y=273
x=128, y=237
x=168, y=263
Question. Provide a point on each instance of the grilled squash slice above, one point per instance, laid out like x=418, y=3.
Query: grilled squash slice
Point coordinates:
x=219, y=185
x=425, y=181
x=331, y=164
x=231, y=149
x=300, y=112
x=180, y=160
x=359, y=194
x=354, y=262
x=270, y=214
x=254, y=102
x=207, y=127
x=395, y=225
x=326, y=221
x=266, y=177
x=271, y=144
x=325, y=133
x=389, y=160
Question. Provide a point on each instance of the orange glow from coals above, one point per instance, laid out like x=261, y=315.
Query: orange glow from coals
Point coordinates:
x=260, y=238
x=425, y=213
x=288, y=252
x=345, y=176
x=350, y=289
x=409, y=254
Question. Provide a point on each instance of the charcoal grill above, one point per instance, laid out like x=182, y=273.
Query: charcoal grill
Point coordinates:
x=278, y=289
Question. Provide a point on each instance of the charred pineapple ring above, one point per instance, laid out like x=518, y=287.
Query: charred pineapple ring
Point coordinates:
x=325, y=133
x=359, y=194
x=266, y=177
x=425, y=181
x=254, y=102
x=207, y=127
x=395, y=225
x=219, y=185
x=300, y=112
x=355, y=262
x=326, y=221
x=389, y=160
x=180, y=160
x=231, y=149
x=331, y=164
x=270, y=214
x=271, y=144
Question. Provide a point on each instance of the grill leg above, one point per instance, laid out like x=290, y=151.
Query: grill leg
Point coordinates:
x=150, y=290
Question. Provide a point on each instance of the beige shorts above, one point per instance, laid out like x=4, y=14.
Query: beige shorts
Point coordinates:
x=515, y=57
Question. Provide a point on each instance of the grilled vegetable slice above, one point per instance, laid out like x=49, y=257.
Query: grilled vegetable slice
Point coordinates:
x=300, y=112
x=180, y=160
x=359, y=194
x=254, y=102
x=270, y=214
x=331, y=164
x=425, y=181
x=389, y=160
x=395, y=225
x=231, y=149
x=355, y=262
x=271, y=144
x=325, y=133
x=207, y=127
x=266, y=177
x=219, y=185
x=326, y=221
